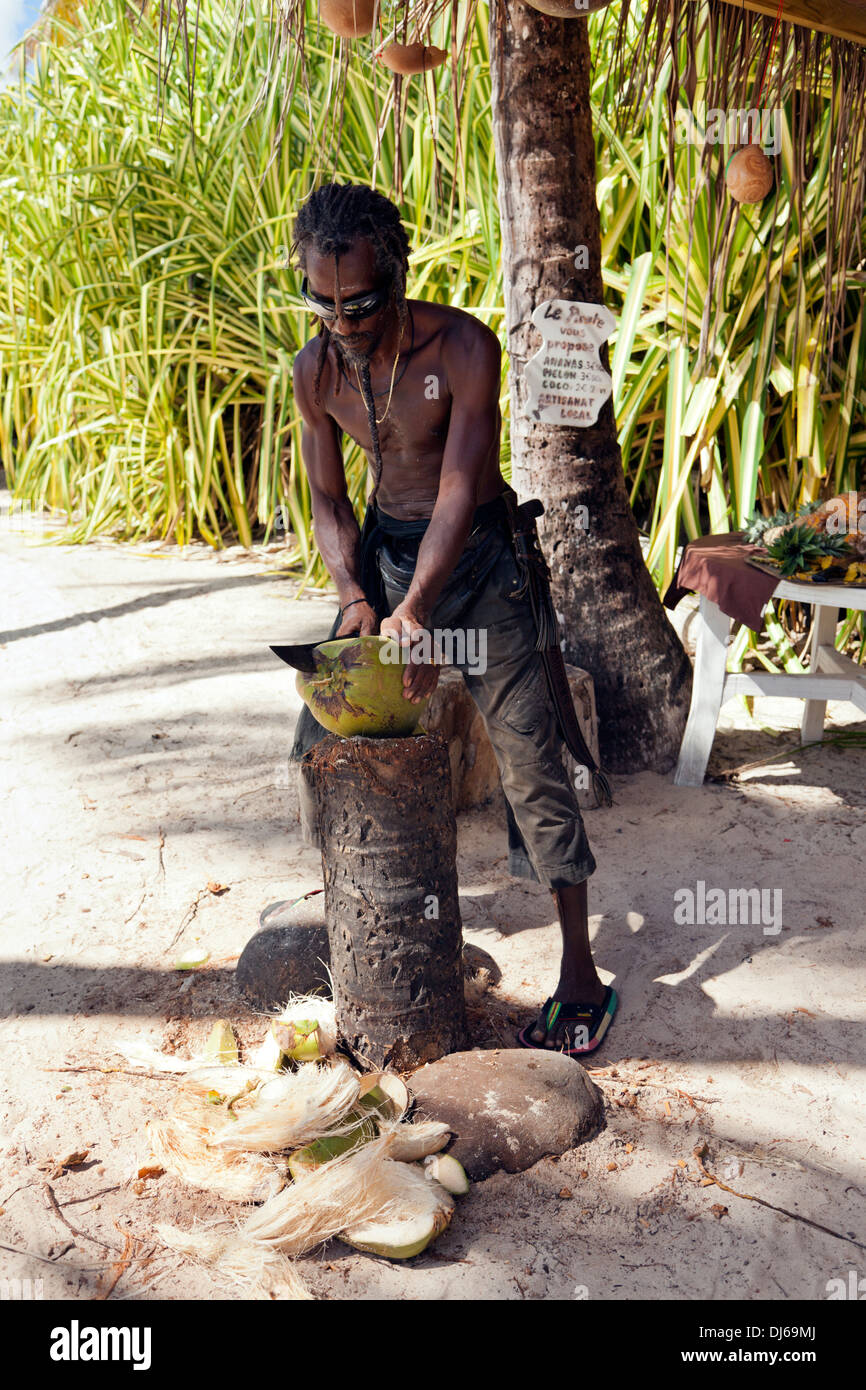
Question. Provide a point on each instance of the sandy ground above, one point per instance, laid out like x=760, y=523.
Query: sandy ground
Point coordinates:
x=145, y=727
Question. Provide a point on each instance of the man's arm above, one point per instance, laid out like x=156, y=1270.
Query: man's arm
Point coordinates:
x=336, y=530
x=473, y=364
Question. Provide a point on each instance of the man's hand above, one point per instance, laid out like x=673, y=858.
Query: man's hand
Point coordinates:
x=409, y=628
x=358, y=619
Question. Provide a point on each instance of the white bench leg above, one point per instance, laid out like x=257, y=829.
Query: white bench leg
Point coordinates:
x=707, y=690
x=823, y=635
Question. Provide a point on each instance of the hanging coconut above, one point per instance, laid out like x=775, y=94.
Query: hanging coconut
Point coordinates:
x=568, y=9
x=408, y=58
x=348, y=18
x=749, y=175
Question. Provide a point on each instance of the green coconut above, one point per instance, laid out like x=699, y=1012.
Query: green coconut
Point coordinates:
x=298, y=1038
x=354, y=692
x=396, y=1240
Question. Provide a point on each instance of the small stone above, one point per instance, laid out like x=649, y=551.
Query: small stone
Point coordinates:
x=565, y=1192
x=611, y=1167
x=511, y=1109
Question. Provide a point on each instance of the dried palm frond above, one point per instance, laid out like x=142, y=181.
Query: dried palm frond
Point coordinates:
x=741, y=61
x=444, y=24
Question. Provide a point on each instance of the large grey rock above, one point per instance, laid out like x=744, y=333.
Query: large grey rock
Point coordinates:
x=509, y=1107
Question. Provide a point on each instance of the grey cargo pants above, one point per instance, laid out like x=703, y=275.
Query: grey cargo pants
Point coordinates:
x=546, y=836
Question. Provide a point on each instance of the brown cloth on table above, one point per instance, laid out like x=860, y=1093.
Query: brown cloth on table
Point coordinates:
x=716, y=566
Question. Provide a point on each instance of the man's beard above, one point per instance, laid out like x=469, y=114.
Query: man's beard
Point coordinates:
x=354, y=355
x=358, y=353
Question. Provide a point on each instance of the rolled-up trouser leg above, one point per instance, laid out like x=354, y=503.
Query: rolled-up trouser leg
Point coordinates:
x=515, y=701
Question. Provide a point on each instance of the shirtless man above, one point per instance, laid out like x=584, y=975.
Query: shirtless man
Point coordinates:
x=416, y=386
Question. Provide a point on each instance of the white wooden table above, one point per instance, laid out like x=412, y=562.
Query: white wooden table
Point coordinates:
x=831, y=676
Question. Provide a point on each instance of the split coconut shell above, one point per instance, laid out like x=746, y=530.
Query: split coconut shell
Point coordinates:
x=409, y=58
x=348, y=18
x=749, y=175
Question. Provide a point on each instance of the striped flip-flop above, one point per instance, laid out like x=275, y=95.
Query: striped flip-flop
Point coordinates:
x=583, y=1023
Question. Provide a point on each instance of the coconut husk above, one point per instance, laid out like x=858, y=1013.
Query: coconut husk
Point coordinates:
x=312, y=1006
x=410, y=58
x=263, y=1271
x=406, y=1143
x=290, y=1110
x=355, y=1188
x=236, y=1178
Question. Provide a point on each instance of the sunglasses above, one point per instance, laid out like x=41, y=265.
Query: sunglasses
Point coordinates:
x=359, y=307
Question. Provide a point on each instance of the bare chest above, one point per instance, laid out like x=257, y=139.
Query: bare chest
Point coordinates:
x=412, y=419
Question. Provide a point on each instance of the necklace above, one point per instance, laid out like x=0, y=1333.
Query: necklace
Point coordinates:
x=380, y=418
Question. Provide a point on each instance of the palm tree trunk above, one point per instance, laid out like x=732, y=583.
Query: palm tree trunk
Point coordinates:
x=612, y=619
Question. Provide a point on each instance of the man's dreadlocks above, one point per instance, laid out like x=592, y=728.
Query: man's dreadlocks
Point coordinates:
x=331, y=221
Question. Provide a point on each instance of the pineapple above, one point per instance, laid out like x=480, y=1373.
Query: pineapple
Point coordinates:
x=801, y=549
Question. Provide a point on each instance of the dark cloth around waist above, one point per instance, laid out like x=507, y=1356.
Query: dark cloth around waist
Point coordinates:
x=399, y=541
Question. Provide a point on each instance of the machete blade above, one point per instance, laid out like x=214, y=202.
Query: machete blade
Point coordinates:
x=299, y=655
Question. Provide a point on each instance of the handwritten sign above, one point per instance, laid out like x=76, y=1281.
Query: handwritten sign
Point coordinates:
x=566, y=383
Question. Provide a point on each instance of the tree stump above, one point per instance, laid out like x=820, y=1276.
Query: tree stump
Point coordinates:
x=389, y=841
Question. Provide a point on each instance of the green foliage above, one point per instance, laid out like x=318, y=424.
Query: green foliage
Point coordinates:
x=148, y=315
x=704, y=441
x=148, y=320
